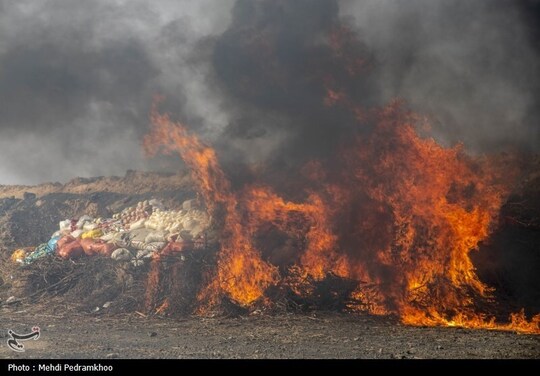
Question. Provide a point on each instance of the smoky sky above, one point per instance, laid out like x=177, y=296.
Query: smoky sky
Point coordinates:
x=77, y=79
x=472, y=66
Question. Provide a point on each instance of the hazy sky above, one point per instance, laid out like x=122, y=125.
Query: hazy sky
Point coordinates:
x=77, y=78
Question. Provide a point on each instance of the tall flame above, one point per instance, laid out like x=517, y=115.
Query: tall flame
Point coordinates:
x=242, y=275
x=400, y=215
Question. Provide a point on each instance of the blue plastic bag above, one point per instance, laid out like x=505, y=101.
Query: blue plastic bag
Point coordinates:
x=41, y=250
x=52, y=243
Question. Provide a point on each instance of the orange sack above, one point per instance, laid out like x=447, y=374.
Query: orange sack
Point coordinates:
x=93, y=247
x=64, y=240
x=87, y=246
x=175, y=247
x=70, y=250
x=102, y=248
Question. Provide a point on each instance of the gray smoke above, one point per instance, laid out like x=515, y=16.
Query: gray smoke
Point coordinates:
x=472, y=66
x=77, y=81
x=77, y=78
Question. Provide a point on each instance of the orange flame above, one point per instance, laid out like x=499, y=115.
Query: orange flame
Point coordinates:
x=152, y=285
x=242, y=275
x=441, y=204
x=400, y=215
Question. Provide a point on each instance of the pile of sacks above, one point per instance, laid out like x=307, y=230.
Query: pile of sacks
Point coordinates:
x=136, y=234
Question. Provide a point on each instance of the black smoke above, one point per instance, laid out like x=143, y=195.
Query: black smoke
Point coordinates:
x=470, y=66
x=77, y=78
x=77, y=82
x=278, y=61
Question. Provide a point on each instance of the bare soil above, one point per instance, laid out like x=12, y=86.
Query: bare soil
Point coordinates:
x=321, y=335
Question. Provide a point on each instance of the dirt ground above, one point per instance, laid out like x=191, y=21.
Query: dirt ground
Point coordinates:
x=321, y=335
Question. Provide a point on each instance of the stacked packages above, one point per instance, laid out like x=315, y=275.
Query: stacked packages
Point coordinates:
x=136, y=234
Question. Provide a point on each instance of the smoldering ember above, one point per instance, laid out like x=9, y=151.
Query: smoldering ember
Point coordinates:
x=305, y=179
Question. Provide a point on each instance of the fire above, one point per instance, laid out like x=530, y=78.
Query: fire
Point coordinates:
x=319, y=257
x=440, y=205
x=387, y=208
x=400, y=215
x=152, y=283
x=242, y=274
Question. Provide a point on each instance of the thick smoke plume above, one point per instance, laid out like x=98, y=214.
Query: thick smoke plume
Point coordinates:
x=254, y=77
x=471, y=68
x=77, y=81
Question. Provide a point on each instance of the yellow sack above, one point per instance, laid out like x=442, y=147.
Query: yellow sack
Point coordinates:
x=92, y=234
x=18, y=255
